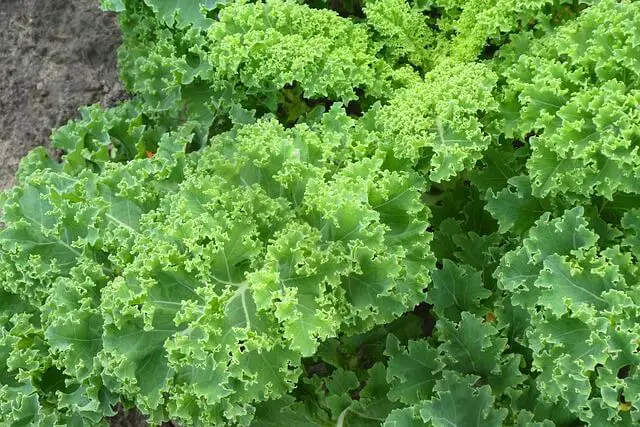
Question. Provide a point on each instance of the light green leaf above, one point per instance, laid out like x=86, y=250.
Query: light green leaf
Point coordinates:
x=456, y=289
x=458, y=404
x=183, y=13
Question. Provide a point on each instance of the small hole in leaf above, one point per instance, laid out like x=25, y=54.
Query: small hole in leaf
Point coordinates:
x=624, y=371
x=529, y=135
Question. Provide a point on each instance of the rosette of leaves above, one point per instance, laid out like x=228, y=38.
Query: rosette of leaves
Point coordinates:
x=244, y=59
x=578, y=301
x=191, y=285
x=575, y=92
x=433, y=124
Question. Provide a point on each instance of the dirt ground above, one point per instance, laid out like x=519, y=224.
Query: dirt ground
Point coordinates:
x=55, y=56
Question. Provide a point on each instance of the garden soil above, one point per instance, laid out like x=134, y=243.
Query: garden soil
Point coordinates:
x=55, y=56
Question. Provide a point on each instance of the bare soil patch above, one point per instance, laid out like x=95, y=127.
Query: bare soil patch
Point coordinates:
x=55, y=56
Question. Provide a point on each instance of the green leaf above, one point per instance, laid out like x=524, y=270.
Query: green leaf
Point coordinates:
x=631, y=223
x=456, y=289
x=568, y=286
x=285, y=411
x=518, y=210
x=413, y=371
x=500, y=165
x=457, y=403
x=183, y=13
x=561, y=236
x=406, y=417
x=471, y=346
x=113, y=5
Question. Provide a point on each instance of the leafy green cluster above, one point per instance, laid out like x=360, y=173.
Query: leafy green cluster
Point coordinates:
x=579, y=85
x=382, y=213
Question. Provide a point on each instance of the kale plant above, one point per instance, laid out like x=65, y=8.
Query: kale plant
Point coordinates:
x=349, y=213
